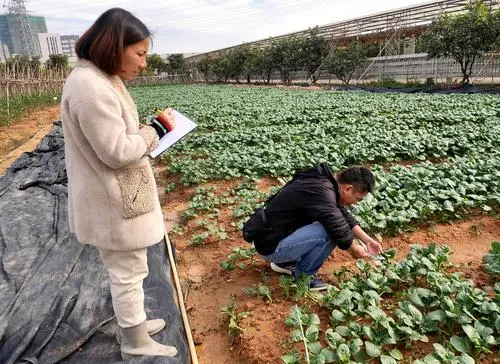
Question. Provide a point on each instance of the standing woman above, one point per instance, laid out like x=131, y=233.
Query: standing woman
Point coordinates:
x=112, y=196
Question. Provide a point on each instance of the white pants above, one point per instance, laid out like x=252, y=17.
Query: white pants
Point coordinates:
x=127, y=270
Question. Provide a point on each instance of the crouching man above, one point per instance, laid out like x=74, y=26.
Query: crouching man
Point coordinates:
x=299, y=226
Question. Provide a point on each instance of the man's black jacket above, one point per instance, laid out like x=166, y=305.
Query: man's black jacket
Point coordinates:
x=311, y=196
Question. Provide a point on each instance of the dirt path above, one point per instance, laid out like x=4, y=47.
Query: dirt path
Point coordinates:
x=24, y=134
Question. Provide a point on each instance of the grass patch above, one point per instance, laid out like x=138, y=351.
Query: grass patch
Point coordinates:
x=18, y=105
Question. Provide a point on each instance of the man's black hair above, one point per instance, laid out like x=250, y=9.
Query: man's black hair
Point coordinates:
x=361, y=178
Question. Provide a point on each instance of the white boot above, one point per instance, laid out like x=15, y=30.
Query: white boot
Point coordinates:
x=153, y=327
x=137, y=342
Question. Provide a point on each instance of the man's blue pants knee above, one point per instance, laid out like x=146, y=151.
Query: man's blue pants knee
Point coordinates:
x=308, y=246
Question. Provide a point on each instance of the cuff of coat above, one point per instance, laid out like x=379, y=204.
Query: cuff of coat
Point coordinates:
x=353, y=225
x=150, y=136
x=344, y=245
x=158, y=127
x=160, y=124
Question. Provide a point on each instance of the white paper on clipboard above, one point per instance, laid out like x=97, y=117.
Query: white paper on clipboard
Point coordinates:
x=183, y=126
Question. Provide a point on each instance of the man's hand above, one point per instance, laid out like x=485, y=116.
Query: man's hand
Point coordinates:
x=357, y=250
x=373, y=246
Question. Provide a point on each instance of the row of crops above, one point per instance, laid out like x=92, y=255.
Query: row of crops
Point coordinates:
x=451, y=141
x=273, y=132
x=426, y=305
x=386, y=311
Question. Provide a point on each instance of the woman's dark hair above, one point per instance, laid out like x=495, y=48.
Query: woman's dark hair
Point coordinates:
x=103, y=43
x=361, y=178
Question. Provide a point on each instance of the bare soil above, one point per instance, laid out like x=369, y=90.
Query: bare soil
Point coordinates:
x=265, y=337
x=24, y=134
x=208, y=288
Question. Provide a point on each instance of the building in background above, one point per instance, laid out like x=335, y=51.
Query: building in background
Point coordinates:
x=68, y=45
x=50, y=43
x=11, y=36
x=4, y=52
x=38, y=25
x=53, y=43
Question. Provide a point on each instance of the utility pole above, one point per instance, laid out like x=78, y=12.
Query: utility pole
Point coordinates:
x=17, y=9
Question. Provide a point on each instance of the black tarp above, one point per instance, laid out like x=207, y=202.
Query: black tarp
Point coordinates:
x=55, y=303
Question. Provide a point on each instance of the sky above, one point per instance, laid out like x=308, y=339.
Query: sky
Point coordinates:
x=185, y=26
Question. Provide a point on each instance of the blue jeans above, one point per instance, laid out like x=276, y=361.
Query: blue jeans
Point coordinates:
x=308, y=246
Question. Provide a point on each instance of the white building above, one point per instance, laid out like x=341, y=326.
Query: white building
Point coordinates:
x=68, y=45
x=4, y=52
x=50, y=43
x=53, y=43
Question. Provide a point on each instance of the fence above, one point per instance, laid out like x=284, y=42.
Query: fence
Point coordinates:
x=26, y=81
x=160, y=79
x=20, y=82
x=416, y=67
x=404, y=68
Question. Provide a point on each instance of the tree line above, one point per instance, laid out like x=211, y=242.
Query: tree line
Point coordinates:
x=24, y=65
x=175, y=63
x=309, y=52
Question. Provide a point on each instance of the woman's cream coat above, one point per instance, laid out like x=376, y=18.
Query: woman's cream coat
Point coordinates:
x=112, y=195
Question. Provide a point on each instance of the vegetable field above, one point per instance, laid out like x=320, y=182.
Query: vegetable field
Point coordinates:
x=436, y=160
